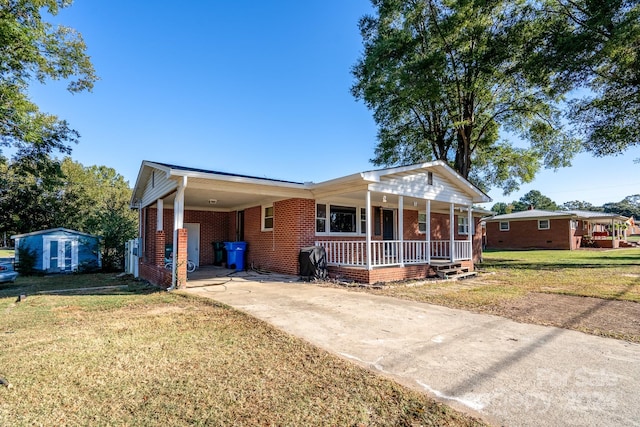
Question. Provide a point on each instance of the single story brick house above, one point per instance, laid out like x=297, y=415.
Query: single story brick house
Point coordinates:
x=542, y=229
x=379, y=225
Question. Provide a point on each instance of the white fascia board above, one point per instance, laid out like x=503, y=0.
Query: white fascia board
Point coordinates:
x=477, y=195
x=145, y=170
x=457, y=199
x=237, y=179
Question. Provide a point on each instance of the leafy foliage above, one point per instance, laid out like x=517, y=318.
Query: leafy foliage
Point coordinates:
x=629, y=206
x=534, y=199
x=27, y=260
x=443, y=77
x=595, y=46
x=48, y=193
x=32, y=49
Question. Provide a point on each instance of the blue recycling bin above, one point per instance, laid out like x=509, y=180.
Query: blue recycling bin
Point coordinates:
x=235, y=254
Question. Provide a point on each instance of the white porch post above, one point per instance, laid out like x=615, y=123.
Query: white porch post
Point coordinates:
x=428, y=231
x=160, y=215
x=178, y=222
x=401, y=229
x=452, y=236
x=470, y=230
x=368, y=233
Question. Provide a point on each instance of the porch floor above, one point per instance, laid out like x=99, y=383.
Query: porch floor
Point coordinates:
x=209, y=275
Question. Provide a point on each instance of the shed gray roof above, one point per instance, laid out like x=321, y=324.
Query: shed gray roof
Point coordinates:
x=53, y=230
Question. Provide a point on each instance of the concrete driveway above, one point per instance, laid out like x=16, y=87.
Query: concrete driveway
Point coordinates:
x=505, y=372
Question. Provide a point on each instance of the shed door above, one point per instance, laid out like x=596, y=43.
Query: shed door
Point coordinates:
x=60, y=254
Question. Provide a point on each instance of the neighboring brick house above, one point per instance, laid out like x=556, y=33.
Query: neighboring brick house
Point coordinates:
x=541, y=229
x=380, y=225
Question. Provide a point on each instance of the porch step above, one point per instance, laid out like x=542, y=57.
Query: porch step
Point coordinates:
x=625, y=244
x=452, y=271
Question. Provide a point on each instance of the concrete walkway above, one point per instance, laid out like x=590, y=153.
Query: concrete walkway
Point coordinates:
x=505, y=372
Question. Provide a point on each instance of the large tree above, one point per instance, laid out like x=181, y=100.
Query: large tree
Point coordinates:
x=445, y=77
x=629, y=206
x=534, y=200
x=595, y=46
x=33, y=50
x=46, y=193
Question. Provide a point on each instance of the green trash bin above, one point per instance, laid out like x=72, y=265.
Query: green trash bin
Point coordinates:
x=218, y=253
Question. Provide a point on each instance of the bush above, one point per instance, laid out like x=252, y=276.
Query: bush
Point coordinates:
x=26, y=260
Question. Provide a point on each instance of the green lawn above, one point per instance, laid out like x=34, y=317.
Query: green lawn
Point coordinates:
x=6, y=253
x=513, y=284
x=608, y=274
x=128, y=354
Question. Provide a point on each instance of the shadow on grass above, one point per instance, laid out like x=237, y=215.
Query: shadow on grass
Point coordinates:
x=552, y=265
x=469, y=384
x=76, y=284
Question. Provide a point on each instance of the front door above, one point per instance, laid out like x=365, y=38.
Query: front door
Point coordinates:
x=193, y=242
x=388, y=229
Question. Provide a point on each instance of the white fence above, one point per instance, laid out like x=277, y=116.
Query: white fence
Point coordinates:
x=131, y=255
x=393, y=252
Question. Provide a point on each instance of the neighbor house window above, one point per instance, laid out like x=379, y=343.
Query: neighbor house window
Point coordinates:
x=463, y=225
x=267, y=218
x=422, y=222
x=430, y=178
x=504, y=225
x=543, y=224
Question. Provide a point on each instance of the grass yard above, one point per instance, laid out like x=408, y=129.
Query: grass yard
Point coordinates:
x=7, y=253
x=123, y=353
x=548, y=288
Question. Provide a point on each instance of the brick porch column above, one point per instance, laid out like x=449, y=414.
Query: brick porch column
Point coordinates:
x=159, y=255
x=181, y=264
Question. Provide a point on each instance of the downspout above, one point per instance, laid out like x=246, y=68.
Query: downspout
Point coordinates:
x=470, y=231
x=178, y=222
x=401, y=227
x=452, y=235
x=368, y=233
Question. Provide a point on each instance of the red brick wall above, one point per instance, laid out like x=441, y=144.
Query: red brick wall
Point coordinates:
x=525, y=235
x=214, y=227
x=294, y=227
x=156, y=275
x=278, y=249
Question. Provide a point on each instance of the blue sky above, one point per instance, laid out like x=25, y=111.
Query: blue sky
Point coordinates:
x=250, y=87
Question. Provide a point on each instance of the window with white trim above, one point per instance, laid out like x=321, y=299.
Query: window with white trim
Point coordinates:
x=340, y=219
x=321, y=218
x=463, y=225
x=504, y=225
x=267, y=218
x=422, y=222
x=543, y=224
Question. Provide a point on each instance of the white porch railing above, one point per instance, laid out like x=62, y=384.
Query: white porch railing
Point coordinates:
x=353, y=253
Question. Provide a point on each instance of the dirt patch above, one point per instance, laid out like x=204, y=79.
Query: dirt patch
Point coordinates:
x=616, y=319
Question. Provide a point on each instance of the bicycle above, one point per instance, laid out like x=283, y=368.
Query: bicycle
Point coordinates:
x=191, y=266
